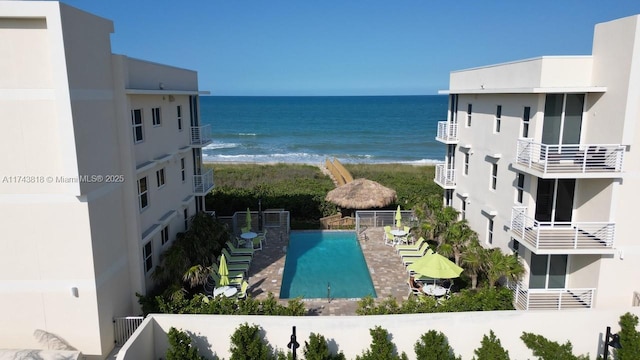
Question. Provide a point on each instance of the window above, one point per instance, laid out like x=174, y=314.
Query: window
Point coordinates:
x=186, y=219
x=179, y=110
x=463, y=209
x=469, y=115
x=147, y=257
x=143, y=193
x=498, y=118
x=494, y=176
x=465, y=168
x=160, y=177
x=136, y=122
x=520, y=188
x=164, y=235
x=155, y=113
x=525, y=121
x=490, y=232
x=182, y=171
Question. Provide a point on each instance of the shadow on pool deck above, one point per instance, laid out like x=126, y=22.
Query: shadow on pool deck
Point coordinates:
x=386, y=269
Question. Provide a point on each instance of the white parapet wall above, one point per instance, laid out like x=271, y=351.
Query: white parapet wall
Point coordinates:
x=584, y=328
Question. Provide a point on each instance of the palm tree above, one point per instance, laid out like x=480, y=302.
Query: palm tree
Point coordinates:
x=473, y=261
x=457, y=238
x=196, y=275
x=499, y=264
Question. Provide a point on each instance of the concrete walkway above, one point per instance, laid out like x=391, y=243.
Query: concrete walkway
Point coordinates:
x=386, y=269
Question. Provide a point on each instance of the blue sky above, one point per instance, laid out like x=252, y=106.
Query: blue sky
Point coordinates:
x=347, y=47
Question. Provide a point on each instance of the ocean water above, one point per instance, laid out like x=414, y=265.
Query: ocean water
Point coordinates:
x=354, y=129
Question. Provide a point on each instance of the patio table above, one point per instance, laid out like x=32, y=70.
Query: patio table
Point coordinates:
x=434, y=290
x=248, y=236
x=227, y=291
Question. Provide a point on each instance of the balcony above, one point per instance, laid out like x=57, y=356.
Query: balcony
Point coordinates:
x=569, y=161
x=445, y=177
x=203, y=183
x=561, y=237
x=551, y=299
x=447, y=132
x=200, y=135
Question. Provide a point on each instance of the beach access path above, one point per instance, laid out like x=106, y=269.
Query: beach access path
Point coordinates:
x=387, y=272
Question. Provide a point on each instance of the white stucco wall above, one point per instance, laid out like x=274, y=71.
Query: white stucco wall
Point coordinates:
x=584, y=328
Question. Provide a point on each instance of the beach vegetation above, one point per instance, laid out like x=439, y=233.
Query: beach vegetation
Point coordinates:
x=382, y=348
x=181, y=346
x=546, y=349
x=433, y=345
x=629, y=338
x=301, y=189
x=490, y=349
x=317, y=348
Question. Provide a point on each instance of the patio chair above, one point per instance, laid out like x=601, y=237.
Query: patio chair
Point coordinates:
x=389, y=239
x=414, y=291
x=415, y=253
x=257, y=243
x=239, y=250
x=242, y=294
x=236, y=258
x=415, y=246
x=264, y=236
x=244, y=268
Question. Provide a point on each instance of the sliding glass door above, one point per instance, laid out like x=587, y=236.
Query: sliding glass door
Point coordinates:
x=562, y=119
x=548, y=271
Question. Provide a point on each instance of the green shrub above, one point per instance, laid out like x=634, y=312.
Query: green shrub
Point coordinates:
x=381, y=347
x=317, y=349
x=550, y=350
x=491, y=349
x=629, y=338
x=181, y=346
x=433, y=345
x=248, y=344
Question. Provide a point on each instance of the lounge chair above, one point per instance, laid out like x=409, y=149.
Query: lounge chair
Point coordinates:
x=417, y=253
x=236, y=258
x=239, y=250
x=415, y=246
x=232, y=281
x=236, y=274
x=243, y=267
x=408, y=260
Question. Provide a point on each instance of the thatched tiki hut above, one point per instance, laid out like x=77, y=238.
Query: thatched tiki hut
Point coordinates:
x=361, y=194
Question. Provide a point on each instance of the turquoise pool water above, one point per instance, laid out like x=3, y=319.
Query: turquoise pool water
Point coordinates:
x=316, y=259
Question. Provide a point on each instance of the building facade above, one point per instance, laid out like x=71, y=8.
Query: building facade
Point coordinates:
x=542, y=160
x=101, y=168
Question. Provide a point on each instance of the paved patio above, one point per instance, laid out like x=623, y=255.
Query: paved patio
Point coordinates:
x=387, y=272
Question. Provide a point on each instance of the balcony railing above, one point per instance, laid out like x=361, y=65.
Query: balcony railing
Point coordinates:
x=591, y=159
x=200, y=135
x=561, y=237
x=447, y=132
x=551, y=299
x=445, y=177
x=203, y=183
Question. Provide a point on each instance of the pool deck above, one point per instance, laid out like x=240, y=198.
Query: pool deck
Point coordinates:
x=387, y=272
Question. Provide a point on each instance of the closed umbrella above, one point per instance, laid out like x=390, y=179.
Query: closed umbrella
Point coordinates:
x=248, y=219
x=398, y=218
x=223, y=271
x=435, y=266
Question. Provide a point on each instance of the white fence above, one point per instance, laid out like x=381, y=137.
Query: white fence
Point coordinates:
x=447, y=131
x=200, y=135
x=445, y=177
x=124, y=327
x=551, y=299
x=379, y=218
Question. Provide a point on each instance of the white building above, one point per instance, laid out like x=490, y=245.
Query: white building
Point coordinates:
x=100, y=168
x=543, y=159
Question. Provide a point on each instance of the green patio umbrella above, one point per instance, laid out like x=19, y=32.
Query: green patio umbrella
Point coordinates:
x=248, y=225
x=398, y=218
x=223, y=271
x=435, y=266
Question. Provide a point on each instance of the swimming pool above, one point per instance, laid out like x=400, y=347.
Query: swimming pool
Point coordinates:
x=316, y=259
